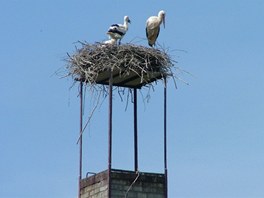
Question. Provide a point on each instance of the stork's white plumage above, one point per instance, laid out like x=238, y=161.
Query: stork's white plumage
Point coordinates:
x=111, y=41
x=153, y=27
x=118, y=31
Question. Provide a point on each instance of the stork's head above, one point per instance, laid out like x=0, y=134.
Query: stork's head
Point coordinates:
x=126, y=19
x=161, y=15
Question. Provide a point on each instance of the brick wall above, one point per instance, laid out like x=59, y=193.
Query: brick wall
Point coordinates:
x=146, y=185
x=95, y=186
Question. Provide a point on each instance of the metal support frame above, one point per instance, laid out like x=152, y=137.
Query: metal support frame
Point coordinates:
x=135, y=131
x=80, y=141
x=110, y=114
x=110, y=132
x=165, y=138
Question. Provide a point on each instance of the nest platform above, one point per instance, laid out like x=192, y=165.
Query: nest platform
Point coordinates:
x=130, y=65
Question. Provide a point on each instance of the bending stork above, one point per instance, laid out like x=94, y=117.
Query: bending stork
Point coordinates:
x=111, y=41
x=153, y=27
x=117, y=31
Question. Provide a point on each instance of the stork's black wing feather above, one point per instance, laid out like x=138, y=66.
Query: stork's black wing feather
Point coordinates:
x=114, y=25
x=116, y=31
x=158, y=32
x=147, y=32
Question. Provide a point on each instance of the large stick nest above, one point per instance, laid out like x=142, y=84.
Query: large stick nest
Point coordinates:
x=91, y=60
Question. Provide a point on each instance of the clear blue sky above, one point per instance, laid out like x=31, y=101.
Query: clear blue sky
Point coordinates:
x=215, y=124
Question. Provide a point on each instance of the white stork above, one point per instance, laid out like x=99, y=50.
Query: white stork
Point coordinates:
x=153, y=27
x=117, y=31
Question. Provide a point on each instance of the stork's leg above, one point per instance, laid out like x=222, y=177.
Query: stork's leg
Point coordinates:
x=119, y=43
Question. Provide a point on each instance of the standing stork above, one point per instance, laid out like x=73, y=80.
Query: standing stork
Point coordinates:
x=118, y=31
x=153, y=27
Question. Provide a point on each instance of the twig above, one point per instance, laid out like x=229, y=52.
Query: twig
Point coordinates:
x=138, y=174
x=89, y=117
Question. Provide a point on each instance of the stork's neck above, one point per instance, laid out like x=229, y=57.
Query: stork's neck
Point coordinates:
x=126, y=25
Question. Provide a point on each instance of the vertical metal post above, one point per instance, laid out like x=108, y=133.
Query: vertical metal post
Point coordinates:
x=165, y=138
x=80, y=142
x=110, y=132
x=135, y=131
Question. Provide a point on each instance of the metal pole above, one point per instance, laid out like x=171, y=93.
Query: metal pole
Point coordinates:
x=165, y=138
x=110, y=132
x=135, y=131
x=81, y=128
